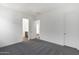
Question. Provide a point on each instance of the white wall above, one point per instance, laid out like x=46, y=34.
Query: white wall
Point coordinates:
x=51, y=27
x=72, y=29
x=54, y=24
x=10, y=26
x=31, y=28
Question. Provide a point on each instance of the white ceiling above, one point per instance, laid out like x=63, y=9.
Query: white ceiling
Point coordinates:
x=29, y=8
x=39, y=8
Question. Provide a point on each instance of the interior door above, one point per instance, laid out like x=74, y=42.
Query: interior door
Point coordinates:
x=72, y=30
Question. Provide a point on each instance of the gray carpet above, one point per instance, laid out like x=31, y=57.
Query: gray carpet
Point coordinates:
x=37, y=47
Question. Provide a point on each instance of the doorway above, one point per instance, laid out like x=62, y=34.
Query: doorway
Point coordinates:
x=25, y=25
x=37, y=28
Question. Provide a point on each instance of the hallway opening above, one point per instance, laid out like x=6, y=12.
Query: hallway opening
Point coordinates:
x=25, y=28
